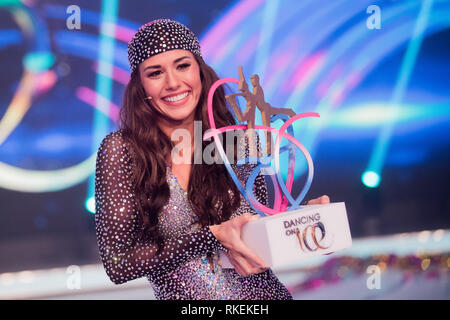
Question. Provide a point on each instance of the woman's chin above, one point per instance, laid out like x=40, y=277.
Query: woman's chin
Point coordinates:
x=179, y=117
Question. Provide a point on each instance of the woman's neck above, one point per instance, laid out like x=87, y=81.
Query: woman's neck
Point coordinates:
x=168, y=127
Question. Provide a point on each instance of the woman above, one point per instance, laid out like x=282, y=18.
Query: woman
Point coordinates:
x=165, y=220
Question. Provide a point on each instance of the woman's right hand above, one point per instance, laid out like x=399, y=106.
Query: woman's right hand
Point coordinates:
x=244, y=260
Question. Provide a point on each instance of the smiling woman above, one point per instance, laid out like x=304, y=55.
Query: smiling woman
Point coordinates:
x=164, y=220
x=172, y=80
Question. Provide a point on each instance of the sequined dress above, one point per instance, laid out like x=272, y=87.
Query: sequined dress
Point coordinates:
x=182, y=269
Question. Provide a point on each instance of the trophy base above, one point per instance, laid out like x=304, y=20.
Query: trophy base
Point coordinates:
x=294, y=235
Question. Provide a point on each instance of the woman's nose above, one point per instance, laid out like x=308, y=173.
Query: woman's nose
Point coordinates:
x=172, y=80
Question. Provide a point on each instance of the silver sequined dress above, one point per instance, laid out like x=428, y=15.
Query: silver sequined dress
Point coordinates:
x=182, y=270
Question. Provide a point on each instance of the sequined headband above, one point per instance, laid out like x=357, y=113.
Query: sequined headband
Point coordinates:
x=160, y=36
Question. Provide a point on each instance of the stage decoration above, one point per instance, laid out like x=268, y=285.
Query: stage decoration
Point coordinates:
x=344, y=268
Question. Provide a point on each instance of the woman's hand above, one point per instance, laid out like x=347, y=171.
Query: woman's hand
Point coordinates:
x=242, y=265
x=321, y=200
x=244, y=260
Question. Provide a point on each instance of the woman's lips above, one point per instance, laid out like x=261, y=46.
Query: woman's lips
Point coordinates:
x=179, y=102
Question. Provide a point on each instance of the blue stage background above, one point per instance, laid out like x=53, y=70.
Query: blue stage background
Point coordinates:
x=381, y=87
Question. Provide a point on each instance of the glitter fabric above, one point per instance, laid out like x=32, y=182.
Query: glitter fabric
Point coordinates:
x=182, y=269
x=160, y=36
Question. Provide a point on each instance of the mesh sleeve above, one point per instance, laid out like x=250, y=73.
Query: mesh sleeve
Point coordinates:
x=124, y=256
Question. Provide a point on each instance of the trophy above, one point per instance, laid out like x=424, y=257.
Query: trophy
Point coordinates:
x=289, y=231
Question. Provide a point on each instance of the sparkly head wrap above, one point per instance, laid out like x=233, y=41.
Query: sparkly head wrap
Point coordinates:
x=160, y=36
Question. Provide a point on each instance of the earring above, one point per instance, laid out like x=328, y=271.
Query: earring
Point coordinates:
x=148, y=98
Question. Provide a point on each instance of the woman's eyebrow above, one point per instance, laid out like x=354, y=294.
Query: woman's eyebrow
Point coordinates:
x=158, y=66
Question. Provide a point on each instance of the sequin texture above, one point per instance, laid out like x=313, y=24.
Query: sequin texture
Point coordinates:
x=160, y=36
x=182, y=269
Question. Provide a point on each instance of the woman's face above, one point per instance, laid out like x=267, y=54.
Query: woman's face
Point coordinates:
x=172, y=80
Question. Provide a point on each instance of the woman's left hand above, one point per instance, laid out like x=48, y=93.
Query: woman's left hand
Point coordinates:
x=321, y=200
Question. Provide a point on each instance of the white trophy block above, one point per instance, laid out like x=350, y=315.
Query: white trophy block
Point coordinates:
x=294, y=235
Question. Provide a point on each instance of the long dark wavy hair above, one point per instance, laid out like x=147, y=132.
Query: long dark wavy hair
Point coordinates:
x=209, y=185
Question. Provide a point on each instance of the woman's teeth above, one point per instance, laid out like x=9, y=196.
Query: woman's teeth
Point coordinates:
x=177, y=98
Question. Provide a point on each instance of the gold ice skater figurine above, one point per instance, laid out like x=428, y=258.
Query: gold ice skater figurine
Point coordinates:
x=255, y=99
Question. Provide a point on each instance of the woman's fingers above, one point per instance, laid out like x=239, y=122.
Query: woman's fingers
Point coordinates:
x=247, y=253
x=239, y=246
x=244, y=255
x=321, y=200
x=236, y=265
x=242, y=265
x=229, y=234
x=244, y=218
